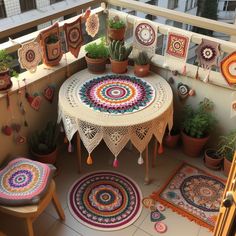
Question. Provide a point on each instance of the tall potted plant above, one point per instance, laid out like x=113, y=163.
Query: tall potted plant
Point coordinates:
x=96, y=56
x=43, y=144
x=141, y=64
x=197, y=125
x=226, y=149
x=119, y=54
x=116, y=29
x=5, y=75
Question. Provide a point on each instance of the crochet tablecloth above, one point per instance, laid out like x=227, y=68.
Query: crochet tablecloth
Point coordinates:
x=115, y=129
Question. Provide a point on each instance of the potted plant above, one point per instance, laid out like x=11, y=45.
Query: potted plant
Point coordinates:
x=119, y=54
x=43, y=144
x=171, y=139
x=212, y=159
x=197, y=125
x=116, y=28
x=226, y=149
x=141, y=64
x=5, y=74
x=96, y=56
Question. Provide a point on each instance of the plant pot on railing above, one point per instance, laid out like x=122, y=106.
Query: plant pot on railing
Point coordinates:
x=116, y=29
x=5, y=81
x=119, y=54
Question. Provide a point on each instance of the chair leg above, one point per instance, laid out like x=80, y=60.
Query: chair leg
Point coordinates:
x=29, y=224
x=57, y=206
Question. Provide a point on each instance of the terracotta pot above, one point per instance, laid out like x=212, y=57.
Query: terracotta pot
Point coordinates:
x=171, y=141
x=193, y=146
x=212, y=160
x=47, y=158
x=53, y=54
x=227, y=166
x=119, y=67
x=96, y=66
x=5, y=81
x=116, y=34
x=141, y=70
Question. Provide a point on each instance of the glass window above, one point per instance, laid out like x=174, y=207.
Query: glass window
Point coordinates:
x=153, y=2
x=172, y=4
x=26, y=5
x=229, y=6
x=2, y=10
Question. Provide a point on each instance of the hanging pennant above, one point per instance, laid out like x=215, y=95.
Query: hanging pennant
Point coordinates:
x=145, y=36
x=228, y=68
x=92, y=25
x=233, y=105
x=207, y=53
x=177, y=50
x=30, y=56
x=51, y=45
x=34, y=101
x=48, y=93
x=74, y=38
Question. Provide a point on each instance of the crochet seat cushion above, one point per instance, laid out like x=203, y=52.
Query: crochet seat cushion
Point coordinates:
x=23, y=182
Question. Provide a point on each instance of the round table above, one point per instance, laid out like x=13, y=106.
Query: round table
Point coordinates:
x=115, y=129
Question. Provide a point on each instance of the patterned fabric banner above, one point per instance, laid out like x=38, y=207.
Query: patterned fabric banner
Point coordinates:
x=207, y=53
x=92, y=25
x=177, y=50
x=145, y=36
x=74, y=37
x=30, y=56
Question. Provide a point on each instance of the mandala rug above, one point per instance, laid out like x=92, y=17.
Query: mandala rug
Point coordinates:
x=117, y=94
x=105, y=201
x=192, y=193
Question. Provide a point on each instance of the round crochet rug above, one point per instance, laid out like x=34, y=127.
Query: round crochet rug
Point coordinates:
x=117, y=94
x=105, y=200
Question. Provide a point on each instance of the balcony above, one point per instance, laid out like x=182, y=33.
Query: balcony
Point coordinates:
x=216, y=89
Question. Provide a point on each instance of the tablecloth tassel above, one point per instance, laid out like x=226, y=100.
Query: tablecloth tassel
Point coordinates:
x=70, y=148
x=115, y=163
x=65, y=140
x=197, y=74
x=160, y=149
x=140, y=159
x=184, y=70
x=89, y=160
x=206, y=79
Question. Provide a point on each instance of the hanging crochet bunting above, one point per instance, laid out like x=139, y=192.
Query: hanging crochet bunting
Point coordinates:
x=74, y=38
x=145, y=36
x=228, y=68
x=92, y=25
x=233, y=105
x=177, y=50
x=51, y=45
x=30, y=56
x=207, y=53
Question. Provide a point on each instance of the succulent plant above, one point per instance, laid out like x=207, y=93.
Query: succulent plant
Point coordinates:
x=45, y=141
x=142, y=58
x=118, y=51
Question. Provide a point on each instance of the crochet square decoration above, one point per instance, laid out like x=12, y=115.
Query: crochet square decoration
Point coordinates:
x=24, y=181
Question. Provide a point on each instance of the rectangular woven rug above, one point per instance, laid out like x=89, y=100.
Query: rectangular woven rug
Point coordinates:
x=193, y=193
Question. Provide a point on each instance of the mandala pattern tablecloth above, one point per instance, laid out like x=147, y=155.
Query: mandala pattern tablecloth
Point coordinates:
x=115, y=130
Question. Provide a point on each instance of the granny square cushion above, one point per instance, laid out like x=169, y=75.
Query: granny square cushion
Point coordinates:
x=24, y=182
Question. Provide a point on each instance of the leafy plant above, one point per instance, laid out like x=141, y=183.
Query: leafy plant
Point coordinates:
x=116, y=23
x=142, y=58
x=51, y=39
x=198, y=123
x=97, y=50
x=45, y=141
x=227, y=145
x=118, y=51
x=5, y=60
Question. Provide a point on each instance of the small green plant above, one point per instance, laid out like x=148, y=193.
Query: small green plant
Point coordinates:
x=227, y=145
x=97, y=50
x=118, y=51
x=142, y=59
x=198, y=123
x=116, y=23
x=45, y=141
x=51, y=39
x=5, y=60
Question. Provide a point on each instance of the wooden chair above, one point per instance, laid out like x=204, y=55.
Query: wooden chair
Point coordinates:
x=31, y=212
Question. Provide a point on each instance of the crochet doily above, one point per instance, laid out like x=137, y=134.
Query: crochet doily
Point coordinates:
x=30, y=56
x=228, y=68
x=92, y=25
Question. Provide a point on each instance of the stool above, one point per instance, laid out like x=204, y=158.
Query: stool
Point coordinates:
x=31, y=212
